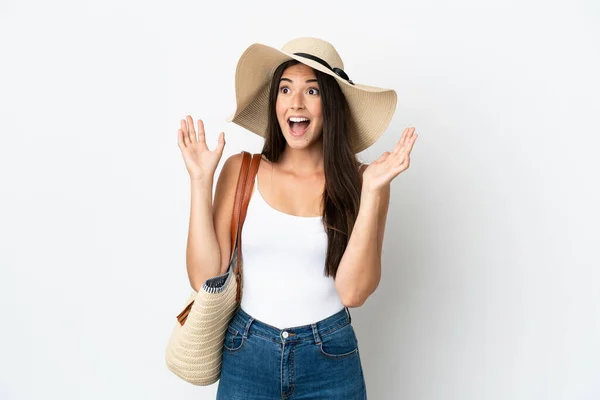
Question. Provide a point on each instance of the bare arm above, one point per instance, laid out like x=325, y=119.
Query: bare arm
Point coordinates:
x=206, y=234
x=359, y=271
x=203, y=257
x=209, y=236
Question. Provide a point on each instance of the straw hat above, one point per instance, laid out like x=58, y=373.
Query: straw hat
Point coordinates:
x=371, y=107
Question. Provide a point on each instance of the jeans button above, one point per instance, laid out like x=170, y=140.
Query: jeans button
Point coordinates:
x=285, y=334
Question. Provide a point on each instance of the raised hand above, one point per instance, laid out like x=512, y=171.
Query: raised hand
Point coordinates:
x=383, y=170
x=201, y=163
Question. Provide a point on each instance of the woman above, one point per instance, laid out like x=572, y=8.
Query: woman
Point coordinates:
x=314, y=228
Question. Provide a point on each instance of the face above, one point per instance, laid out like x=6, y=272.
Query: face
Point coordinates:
x=298, y=107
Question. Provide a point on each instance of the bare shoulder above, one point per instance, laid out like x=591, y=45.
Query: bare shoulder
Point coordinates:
x=231, y=165
x=227, y=181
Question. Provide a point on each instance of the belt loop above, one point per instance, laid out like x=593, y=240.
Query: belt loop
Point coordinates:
x=348, y=312
x=316, y=333
x=247, y=327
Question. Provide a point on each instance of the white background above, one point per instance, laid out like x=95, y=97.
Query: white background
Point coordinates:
x=490, y=285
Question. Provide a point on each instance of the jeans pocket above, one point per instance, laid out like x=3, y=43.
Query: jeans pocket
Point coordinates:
x=340, y=343
x=233, y=340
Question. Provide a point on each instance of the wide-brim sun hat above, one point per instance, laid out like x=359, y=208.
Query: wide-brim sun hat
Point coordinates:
x=371, y=108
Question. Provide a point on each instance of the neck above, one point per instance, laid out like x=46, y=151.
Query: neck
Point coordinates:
x=302, y=162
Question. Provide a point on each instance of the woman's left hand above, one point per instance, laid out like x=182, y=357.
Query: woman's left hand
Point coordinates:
x=383, y=170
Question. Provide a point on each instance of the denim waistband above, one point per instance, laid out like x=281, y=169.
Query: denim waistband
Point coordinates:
x=246, y=324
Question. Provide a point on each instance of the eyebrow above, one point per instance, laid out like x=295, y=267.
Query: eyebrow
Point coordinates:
x=289, y=80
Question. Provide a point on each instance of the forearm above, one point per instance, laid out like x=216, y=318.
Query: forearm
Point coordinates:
x=359, y=271
x=203, y=257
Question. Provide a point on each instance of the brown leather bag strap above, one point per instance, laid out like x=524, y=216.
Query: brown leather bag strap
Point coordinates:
x=248, y=189
x=239, y=196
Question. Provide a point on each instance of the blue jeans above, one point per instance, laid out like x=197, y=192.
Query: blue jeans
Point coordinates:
x=317, y=361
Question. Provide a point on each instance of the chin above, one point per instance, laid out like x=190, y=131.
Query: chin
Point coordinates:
x=300, y=142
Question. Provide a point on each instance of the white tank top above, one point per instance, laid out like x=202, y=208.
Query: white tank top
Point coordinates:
x=283, y=270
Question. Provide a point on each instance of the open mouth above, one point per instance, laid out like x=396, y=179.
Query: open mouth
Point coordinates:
x=298, y=125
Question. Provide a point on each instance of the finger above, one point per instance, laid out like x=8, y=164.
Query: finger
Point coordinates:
x=201, y=133
x=402, y=140
x=408, y=144
x=191, y=131
x=221, y=143
x=411, y=143
x=180, y=140
x=409, y=135
x=405, y=164
x=183, y=130
x=383, y=157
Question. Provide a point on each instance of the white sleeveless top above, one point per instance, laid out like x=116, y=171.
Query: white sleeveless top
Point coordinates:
x=284, y=284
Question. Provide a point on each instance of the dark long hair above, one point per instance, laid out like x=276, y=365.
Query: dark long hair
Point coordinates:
x=341, y=197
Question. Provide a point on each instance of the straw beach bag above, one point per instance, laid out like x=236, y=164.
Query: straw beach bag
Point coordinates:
x=194, y=351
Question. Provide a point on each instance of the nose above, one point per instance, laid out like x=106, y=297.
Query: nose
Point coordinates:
x=297, y=101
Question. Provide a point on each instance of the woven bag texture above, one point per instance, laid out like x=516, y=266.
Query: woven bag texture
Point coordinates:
x=194, y=351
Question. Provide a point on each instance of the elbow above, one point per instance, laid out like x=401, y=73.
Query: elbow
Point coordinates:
x=353, y=303
x=353, y=300
x=356, y=296
x=195, y=285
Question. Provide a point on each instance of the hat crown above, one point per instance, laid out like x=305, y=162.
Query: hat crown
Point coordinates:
x=316, y=47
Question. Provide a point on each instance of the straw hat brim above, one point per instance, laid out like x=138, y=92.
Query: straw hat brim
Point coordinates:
x=371, y=108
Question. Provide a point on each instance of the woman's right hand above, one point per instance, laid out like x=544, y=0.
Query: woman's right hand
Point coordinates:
x=201, y=163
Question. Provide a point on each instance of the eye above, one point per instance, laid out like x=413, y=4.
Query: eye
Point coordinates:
x=283, y=88
x=315, y=91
